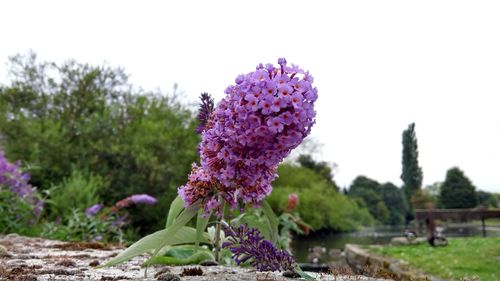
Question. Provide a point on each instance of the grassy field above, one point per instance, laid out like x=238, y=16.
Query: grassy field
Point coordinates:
x=468, y=258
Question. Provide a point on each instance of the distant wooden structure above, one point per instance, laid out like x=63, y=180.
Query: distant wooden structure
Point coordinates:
x=430, y=215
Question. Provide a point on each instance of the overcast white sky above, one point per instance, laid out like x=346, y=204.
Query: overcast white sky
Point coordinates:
x=378, y=65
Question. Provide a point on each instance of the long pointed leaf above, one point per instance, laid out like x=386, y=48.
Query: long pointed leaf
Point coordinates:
x=261, y=224
x=272, y=219
x=201, y=224
x=174, y=211
x=159, y=239
x=304, y=275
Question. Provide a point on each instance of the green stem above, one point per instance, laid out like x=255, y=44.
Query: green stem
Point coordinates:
x=218, y=230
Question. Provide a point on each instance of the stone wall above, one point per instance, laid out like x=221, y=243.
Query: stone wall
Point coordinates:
x=361, y=260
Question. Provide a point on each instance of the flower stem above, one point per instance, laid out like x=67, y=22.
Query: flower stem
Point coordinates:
x=218, y=230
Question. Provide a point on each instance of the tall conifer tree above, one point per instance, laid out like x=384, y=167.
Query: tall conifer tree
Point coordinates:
x=412, y=172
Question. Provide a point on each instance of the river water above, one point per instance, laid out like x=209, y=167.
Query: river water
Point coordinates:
x=375, y=235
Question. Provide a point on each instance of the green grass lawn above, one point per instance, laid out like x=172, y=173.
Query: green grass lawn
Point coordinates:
x=462, y=258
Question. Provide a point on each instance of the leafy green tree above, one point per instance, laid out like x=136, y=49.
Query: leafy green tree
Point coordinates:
x=412, y=172
x=59, y=117
x=319, y=205
x=370, y=192
x=487, y=199
x=396, y=203
x=457, y=190
x=422, y=199
x=322, y=167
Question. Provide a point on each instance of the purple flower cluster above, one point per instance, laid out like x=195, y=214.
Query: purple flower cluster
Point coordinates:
x=247, y=244
x=93, y=210
x=136, y=199
x=17, y=182
x=266, y=114
x=206, y=109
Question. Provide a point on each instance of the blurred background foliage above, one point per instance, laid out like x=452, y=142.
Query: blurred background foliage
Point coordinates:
x=317, y=197
x=84, y=128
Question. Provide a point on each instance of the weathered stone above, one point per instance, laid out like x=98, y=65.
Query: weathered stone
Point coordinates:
x=406, y=241
x=43, y=260
x=3, y=252
x=168, y=276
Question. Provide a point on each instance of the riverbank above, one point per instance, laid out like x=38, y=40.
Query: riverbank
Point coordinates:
x=31, y=259
x=379, y=235
x=361, y=258
x=469, y=258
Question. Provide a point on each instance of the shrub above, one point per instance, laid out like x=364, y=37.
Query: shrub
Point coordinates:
x=74, y=193
x=20, y=204
x=320, y=205
x=97, y=222
x=90, y=118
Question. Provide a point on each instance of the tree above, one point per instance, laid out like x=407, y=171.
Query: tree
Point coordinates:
x=487, y=199
x=370, y=192
x=395, y=201
x=412, y=172
x=319, y=204
x=322, y=168
x=457, y=191
x=422, y=199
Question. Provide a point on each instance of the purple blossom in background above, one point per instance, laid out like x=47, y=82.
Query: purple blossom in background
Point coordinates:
x=137, y=199
x=119, y=221
x=204, y=112
x=247, y=244
x=93, y=210
x=143, y=199
x=17, y=182
x=266, y=114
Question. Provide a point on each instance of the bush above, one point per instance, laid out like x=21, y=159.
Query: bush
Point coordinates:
x=90, y=118
x=77, y=192
x=20, y=203
x=17, y=215
x=80, y=227
x=320, y=205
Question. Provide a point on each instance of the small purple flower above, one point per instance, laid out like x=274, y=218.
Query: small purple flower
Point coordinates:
x=266, y=106
x=285, y=92
x=93, y=210
x=275, y=125
x=247, y=244
x=286, y=118
x=297, y=99
x=252, y=102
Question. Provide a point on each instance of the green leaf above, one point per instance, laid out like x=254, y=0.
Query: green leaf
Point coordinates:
x=175, y=209
x=303, y=274
x=195, y=258
x=262, y=225
x=201, y=224
x=272, y=221
x=180, y=252
x=169, y=236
